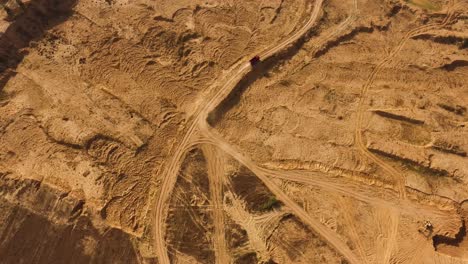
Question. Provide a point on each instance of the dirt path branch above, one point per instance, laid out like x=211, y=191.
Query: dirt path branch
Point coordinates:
x=216, y=172
x=199, y=119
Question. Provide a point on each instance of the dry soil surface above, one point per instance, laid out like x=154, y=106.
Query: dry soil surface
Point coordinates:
x=139, y=132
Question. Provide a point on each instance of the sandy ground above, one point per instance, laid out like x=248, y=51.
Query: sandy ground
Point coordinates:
x=138, y=131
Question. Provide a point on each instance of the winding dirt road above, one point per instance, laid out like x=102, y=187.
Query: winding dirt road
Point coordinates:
x=396, y=175
x=199, y=118
x=198, y=131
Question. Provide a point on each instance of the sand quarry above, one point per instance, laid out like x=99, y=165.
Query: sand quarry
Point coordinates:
x=139, y=132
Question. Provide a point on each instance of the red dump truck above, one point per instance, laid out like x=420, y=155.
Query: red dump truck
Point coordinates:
x=255, y=60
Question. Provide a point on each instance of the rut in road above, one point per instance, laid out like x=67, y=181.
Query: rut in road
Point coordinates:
x=216, y=173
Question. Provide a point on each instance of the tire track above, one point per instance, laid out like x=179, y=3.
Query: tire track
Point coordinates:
x=327, y=234
x=216, y=172
x=239, y=214
x=351, y=224
x=199, y=117
x=396, y=175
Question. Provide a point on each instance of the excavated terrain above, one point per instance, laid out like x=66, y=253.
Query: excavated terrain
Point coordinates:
x=139, y=132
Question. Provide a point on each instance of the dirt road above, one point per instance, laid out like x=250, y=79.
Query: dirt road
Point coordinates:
x=198, y=129
x=327, y=234
x=216, y=163
x=396, y=175
x=199, y=118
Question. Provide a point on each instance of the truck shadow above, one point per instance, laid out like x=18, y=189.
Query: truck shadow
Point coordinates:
x=262, y=69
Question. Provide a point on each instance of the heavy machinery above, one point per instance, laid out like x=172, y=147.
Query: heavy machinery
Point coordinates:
x=255, y=60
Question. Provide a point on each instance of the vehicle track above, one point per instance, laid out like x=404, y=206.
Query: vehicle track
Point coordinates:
x=384, y=214
x=339, y=29
x=198, y=121
x=238, y=213
x=319, y=228
x=390, y=207
x=351, y=225
x=216, y=173
x=199, y=117
x=361, y=193
x=395, y=174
